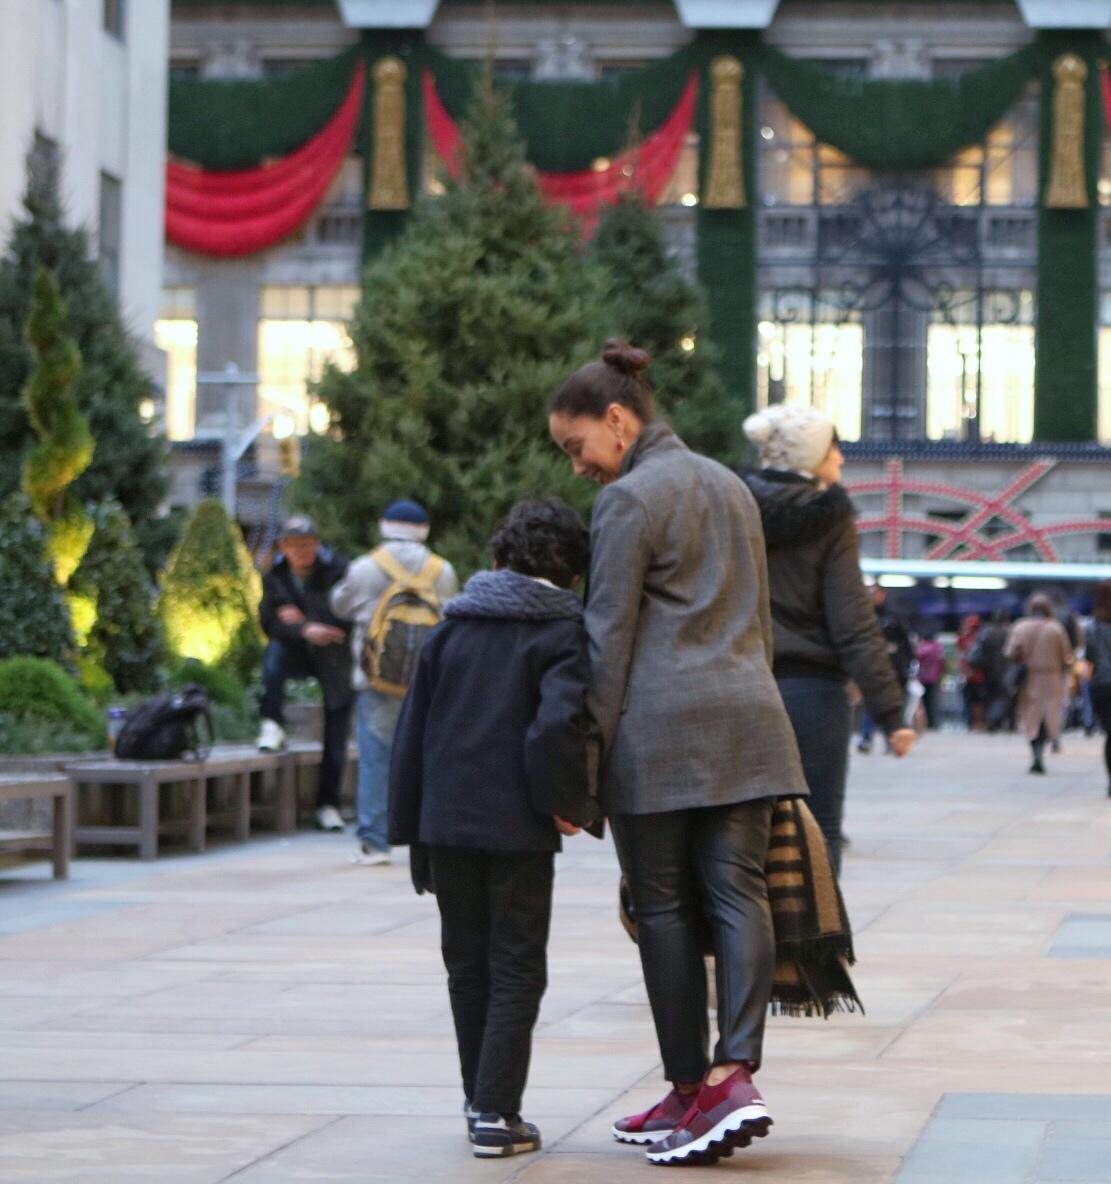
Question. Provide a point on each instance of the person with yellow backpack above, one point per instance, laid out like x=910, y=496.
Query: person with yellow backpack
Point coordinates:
x=395, y=595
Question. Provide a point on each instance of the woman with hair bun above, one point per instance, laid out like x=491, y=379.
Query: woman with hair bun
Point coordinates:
x=696, y=743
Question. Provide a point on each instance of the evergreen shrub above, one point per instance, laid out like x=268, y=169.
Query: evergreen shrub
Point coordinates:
x=36, y=620
x=36, y=689
x=210, y=595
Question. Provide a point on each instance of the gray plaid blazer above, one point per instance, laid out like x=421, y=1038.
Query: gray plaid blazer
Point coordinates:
x=680, y=638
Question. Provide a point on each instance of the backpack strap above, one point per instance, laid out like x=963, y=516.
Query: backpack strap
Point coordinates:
x=424, y=579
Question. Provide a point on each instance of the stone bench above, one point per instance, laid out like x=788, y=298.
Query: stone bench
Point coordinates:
x=30, y=786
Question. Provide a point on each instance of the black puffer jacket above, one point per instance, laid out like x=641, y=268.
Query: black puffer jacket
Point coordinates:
x=824, y=622
x=494, y=737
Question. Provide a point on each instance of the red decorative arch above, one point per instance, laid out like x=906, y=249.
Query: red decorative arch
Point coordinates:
x=968, y=534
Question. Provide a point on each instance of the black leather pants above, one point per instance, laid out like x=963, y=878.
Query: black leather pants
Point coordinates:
x=686, y=867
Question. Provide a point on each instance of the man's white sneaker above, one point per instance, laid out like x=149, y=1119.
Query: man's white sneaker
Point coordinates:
x=328, y=818
x=372, y=856
x=271, y=736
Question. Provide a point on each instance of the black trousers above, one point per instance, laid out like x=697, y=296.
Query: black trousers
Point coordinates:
x=684, y=867
x=1101, y=707
x=282, y=660
x=495, y=912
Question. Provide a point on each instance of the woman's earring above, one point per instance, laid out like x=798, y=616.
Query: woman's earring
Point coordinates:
x=620, y=445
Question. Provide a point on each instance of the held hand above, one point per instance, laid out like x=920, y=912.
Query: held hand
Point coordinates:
x=316, y=634
x=568, y=829
x=901, y=741
x=290, y=614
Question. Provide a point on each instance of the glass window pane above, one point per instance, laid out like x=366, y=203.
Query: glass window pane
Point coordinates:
x=684, y=180
x=179, y=339
x=788, y=176
x=291, y=355
x=285, y=301
x=335, y=302
x=807, y=364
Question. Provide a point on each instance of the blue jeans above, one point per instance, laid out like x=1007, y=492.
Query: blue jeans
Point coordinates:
x=375, y=721
x=822, y=719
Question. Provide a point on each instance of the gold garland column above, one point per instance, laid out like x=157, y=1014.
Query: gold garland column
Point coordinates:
x=725, y=189
x=1067, y=188
x=389, y=189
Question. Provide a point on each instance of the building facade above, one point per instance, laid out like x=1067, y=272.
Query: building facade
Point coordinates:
x=84, y=82
x=904, y=302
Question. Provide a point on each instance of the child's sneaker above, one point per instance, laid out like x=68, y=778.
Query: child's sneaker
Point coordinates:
x=495, y=1135
x=656, y=1123
x=726, y=1116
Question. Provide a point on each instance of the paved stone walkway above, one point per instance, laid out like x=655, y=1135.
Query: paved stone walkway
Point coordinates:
x=273, y=1014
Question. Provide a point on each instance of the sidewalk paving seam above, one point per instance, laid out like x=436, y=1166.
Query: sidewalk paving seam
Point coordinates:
x=284, y=1147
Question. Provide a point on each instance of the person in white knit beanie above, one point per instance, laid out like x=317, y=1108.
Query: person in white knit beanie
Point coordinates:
x=791, y=439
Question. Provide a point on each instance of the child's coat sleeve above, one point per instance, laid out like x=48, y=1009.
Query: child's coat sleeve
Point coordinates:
x=407, y=758
x=561, y=745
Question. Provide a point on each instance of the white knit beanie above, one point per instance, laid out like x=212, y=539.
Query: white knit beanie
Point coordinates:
x=794, y=438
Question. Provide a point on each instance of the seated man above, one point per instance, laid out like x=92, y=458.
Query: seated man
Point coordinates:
x=307, y=641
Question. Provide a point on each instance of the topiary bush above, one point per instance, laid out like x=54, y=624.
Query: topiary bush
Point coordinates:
x=210, y=595
x=221, y=685
x=33, y=689
x=124, y=635
x=36, y=620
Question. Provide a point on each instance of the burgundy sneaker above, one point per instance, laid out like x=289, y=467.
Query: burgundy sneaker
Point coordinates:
x=725, y=1116
x=654, y=1124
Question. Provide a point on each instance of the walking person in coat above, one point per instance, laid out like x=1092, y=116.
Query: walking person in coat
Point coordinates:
x=492, y=762
x=1040, y=645
x=306, y=640
x=1097, y=653
x=826, y=629
x=403, y=529
x=931, y=666
x=696, y=744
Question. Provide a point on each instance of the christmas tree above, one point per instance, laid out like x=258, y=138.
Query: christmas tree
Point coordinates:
x=36, y=621
x=129, y=464
x=63, y=445
x=655, y=306
x=469, y=321
x=123, y=633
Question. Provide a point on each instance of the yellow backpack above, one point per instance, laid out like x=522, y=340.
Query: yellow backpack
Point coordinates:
x=409, y=608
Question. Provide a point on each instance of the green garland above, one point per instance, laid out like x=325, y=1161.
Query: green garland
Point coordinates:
x=907, y=124
x=221, y=124
x=1066, y=365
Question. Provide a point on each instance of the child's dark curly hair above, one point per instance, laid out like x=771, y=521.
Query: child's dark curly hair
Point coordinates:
x=543, y=538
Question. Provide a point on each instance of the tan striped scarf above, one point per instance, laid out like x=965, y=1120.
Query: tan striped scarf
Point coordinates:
x=813, y=941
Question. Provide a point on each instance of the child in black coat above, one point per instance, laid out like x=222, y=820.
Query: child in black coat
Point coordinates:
x=493, y=760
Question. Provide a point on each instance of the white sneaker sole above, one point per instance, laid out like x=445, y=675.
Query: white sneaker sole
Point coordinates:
x=504, y=1149
x=639, y=1138
x=736, y=1129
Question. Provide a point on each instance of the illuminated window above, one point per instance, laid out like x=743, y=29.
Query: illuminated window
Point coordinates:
x=301, y=331
x=811, y=355
x=1104, y=427
x=985, y=373
x=176, y=333
x=682, y=186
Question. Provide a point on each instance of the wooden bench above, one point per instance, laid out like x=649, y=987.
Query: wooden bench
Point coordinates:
x=148, y=778
x=20, y=787
x=234, y=768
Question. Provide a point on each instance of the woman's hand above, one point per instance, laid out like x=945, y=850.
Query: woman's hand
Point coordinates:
x=901, y=741
x=568, y=829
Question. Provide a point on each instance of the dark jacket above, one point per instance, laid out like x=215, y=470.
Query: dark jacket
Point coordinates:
x=279, y=588
x=494, y=737
x=824, y=621
x=1097, y=650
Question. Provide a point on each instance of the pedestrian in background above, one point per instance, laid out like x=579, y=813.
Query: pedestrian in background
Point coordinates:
x=403, y=552
x=931, y=666
x=1097, y=655
x=1039, y=645
x=900, y=653
x=307, y=640
x=970, y=648
x=826, y=629
x=999, y=701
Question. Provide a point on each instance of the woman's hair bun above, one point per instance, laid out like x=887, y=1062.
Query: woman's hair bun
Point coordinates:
x=625, y=357
x=758, y=428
